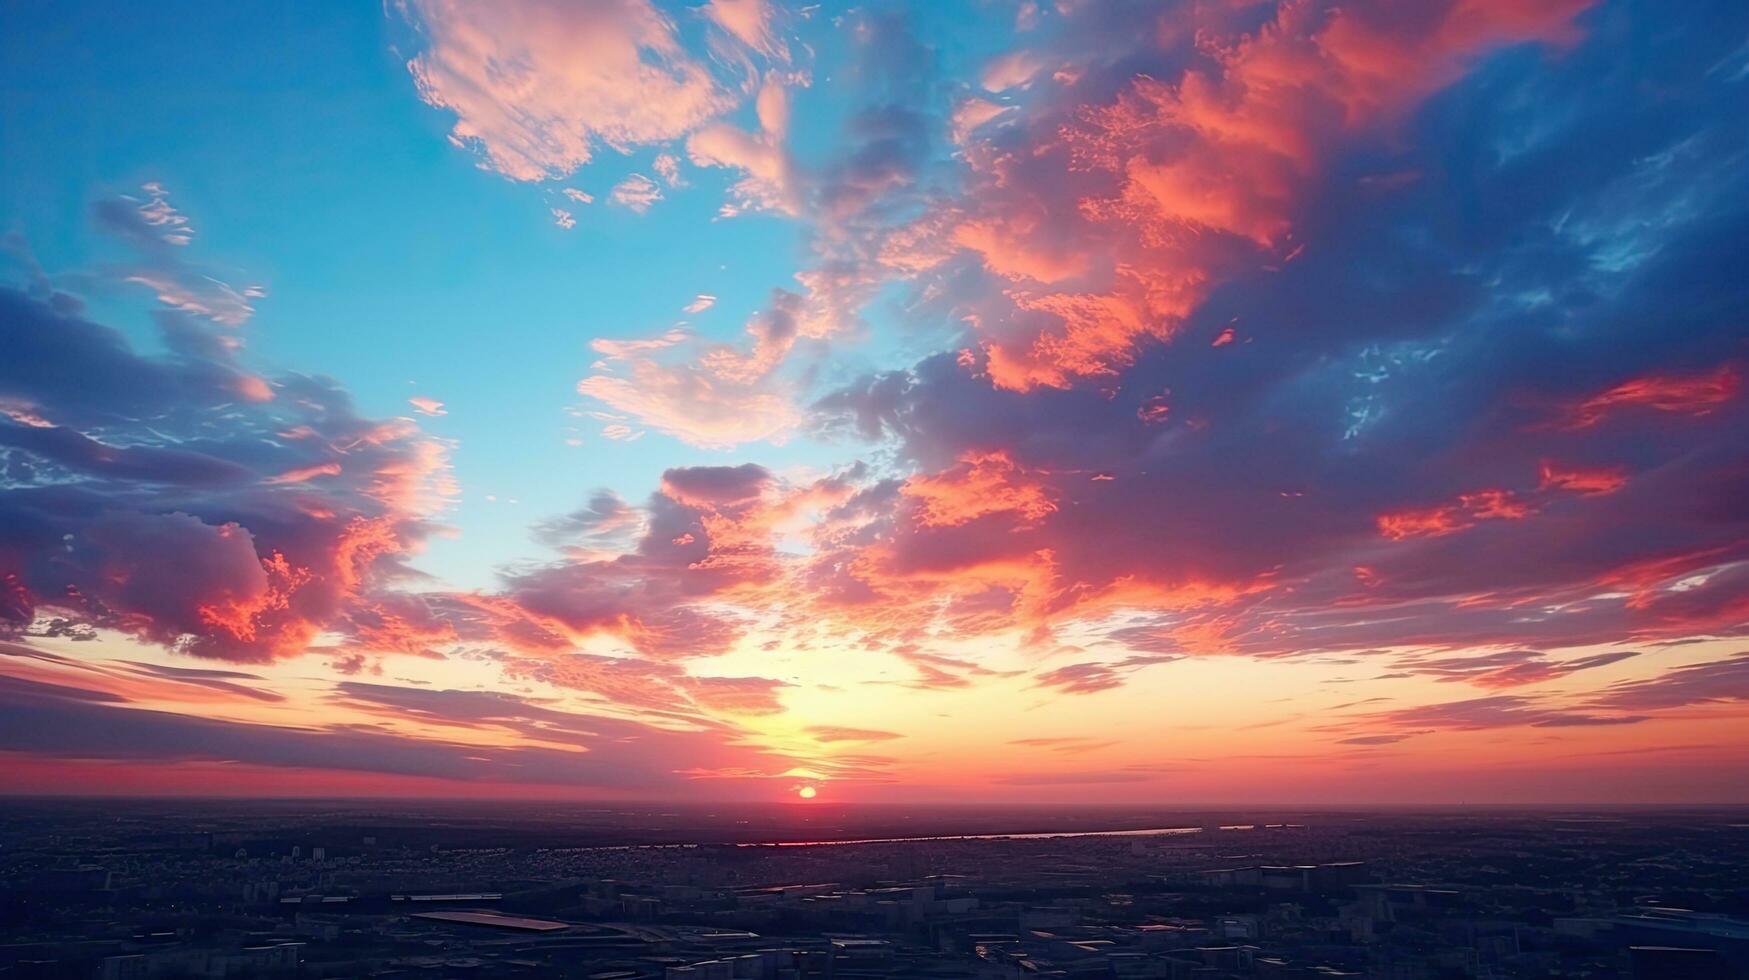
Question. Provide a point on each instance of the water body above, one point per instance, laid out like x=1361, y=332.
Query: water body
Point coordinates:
x=1147, y=832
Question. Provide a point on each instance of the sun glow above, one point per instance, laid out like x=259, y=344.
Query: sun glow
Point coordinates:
x=807, y=792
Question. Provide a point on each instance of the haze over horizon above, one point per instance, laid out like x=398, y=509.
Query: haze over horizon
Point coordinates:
x=1217, y=402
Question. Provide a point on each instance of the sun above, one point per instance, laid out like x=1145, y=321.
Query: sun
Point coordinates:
x=807, y=792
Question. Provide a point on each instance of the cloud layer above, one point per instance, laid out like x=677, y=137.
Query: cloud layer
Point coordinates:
x=1182, y=351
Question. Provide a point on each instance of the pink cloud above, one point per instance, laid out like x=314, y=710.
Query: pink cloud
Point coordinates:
x=972, y=112
x=667, y=167
x=751, y=22
x=709, y=395
x=537, y=87
x=768, y=181
x=636, y=193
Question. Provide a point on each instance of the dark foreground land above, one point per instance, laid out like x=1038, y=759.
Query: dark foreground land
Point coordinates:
x=343, y=889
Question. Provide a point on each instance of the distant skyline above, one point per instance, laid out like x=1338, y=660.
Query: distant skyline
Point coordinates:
x=1203, y=402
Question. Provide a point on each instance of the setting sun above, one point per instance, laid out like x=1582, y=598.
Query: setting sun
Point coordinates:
x=807, y=792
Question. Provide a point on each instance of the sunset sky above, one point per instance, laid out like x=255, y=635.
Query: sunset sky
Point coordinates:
x=1052, y=400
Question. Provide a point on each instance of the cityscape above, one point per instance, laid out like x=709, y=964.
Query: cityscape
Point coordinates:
x=335, y=889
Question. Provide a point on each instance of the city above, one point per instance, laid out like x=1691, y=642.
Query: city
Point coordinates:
x=138, y=889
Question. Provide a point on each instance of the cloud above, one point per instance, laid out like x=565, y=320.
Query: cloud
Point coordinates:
x=427, y=406
x=694, y=404
x=1093, y=677
x=981, y=486
x=538, y=86
x=751, y=22
x=605, y=525
x=768, y=181
x=1480, y=505
x=559, y=749
x=157, y=211
x=134, y=681
x=1378, y=459
x=673, y=581
x=840, y=733
x=667, y=167
x=1504, y=711
x=1074, y=778
x=159, y=234
x=705, y=532
x=1011, y=70
x=1479, y=714
x=708, y=394
x=1374, y=739
x=1104, y=223
x=220, y=513
x=1507, y=668
x=1283, y=332
x=736, y=695
x=938, y=672
x=1606, y=479
x=1065, y=744
x=636, y=193
x=75, y=451
x=972, y=112
x=232, y=682
x=1696, y=394
x=1713, y=682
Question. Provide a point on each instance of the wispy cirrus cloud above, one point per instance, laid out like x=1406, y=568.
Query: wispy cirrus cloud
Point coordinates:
x=579, y=752
x=1092, y=677
x=159, y=235
x=1476, y=714
x=1714, y=682
x=1507, y=668
x=841, y=733
x=637, y=193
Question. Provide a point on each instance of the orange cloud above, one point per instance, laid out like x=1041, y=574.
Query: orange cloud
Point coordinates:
x=427, y=406
x=983, y=484
x=1178, y=184
x=1692, y=394
x=1468, y=510
x=1585, y=480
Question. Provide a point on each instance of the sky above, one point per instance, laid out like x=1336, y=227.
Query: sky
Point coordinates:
x=1068, y=401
